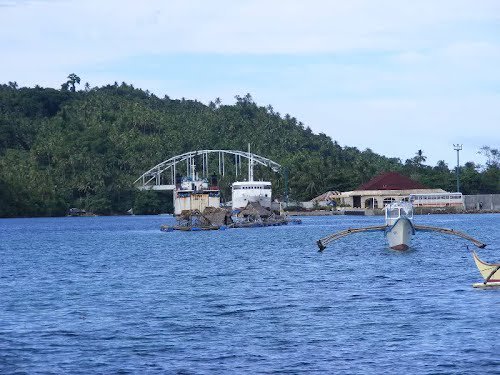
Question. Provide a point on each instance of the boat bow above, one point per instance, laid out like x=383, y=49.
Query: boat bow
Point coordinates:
x=489, y=271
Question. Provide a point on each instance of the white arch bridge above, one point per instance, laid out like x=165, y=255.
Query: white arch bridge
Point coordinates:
x=162, y=175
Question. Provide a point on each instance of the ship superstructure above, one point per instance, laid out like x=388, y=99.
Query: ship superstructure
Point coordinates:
x=244, y=192
x=194, y=193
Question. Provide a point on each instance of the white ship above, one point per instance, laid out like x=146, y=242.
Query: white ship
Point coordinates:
x=251, y=191
x=244, y=192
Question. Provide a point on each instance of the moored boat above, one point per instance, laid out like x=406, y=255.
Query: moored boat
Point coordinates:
x=398, y=229
x=399, y=222
x=248, y=192
x=195, y=193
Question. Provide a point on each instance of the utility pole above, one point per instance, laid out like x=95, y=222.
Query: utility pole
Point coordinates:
x=457, y=147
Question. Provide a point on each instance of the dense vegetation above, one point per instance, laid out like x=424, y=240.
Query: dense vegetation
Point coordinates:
x=68, y=148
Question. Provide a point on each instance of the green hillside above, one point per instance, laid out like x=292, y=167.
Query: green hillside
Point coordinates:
x=67, y=148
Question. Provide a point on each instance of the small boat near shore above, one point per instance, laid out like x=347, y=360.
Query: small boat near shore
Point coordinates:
x=399, y=225
x=398, y=229
x=489, y=271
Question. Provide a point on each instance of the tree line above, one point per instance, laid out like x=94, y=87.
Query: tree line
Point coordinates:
x=84, y=148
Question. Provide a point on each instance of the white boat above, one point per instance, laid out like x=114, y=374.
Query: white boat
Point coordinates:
x=489, y=271
x=398, y=229
x=244, y=192
x=399, y=225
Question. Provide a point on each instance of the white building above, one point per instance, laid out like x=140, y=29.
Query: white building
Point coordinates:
x=380, y=191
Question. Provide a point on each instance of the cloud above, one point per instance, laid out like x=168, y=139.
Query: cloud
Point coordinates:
x=124, y=28
x=50, y=36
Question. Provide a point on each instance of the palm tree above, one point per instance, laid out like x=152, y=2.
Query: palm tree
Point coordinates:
x=419, y=158
x=441, y=166
x=72, y=79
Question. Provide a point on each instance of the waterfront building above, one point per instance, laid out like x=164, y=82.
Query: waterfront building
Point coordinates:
x=382, y=190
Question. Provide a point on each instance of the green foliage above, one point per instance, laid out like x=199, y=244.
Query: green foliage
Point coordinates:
x=146, y=203
x=68, y=148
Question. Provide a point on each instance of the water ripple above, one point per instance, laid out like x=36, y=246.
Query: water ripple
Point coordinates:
x=115, y=295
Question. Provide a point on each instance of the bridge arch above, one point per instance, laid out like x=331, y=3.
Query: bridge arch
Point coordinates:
x=154, y=178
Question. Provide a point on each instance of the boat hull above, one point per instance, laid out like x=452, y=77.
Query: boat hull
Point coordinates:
x=399, y=235
x=487, y=285
x=490, y=273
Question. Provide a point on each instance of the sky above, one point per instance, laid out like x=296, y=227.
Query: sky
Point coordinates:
x=390, y=75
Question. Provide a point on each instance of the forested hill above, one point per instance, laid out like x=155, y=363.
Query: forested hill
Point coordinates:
x=68, y=148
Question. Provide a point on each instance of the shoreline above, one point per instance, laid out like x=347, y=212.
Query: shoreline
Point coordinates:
x=289, y=213
x=416, y=212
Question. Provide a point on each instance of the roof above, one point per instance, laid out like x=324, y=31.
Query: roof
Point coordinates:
x=329, y=195
x=387, y=193
x=391, y=181
x=216, y=216
x=254, y=209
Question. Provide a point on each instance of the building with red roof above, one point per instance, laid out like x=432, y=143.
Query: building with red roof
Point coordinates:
x=391, y=181
x=381, y=190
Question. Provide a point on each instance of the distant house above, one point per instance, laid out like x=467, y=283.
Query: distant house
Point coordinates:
x=383, y=189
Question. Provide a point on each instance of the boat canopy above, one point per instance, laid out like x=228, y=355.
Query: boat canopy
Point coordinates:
x=396, y=210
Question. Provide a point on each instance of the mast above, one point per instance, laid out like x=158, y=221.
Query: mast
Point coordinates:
x=250, y=165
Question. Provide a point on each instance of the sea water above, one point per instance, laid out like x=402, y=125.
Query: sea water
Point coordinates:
x=116, y=295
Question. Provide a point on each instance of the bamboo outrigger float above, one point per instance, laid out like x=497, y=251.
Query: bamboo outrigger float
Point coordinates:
x=426, y=228
x=323, y=242
x=489, y=271
x=398, y=229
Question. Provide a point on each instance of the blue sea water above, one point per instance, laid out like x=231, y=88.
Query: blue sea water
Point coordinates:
x=116, y=295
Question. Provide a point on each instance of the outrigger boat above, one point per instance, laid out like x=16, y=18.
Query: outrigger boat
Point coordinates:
x=490, y=273
x=398, y=228
x=399, y=225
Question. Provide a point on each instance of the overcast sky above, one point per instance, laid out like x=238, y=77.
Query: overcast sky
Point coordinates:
x=393, y=76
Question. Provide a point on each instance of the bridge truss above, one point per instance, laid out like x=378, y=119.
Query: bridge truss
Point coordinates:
x=157, y=177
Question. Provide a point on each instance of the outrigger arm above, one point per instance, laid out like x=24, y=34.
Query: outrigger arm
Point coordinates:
x=425, y=228
x=491, y=274
x=323, y=242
